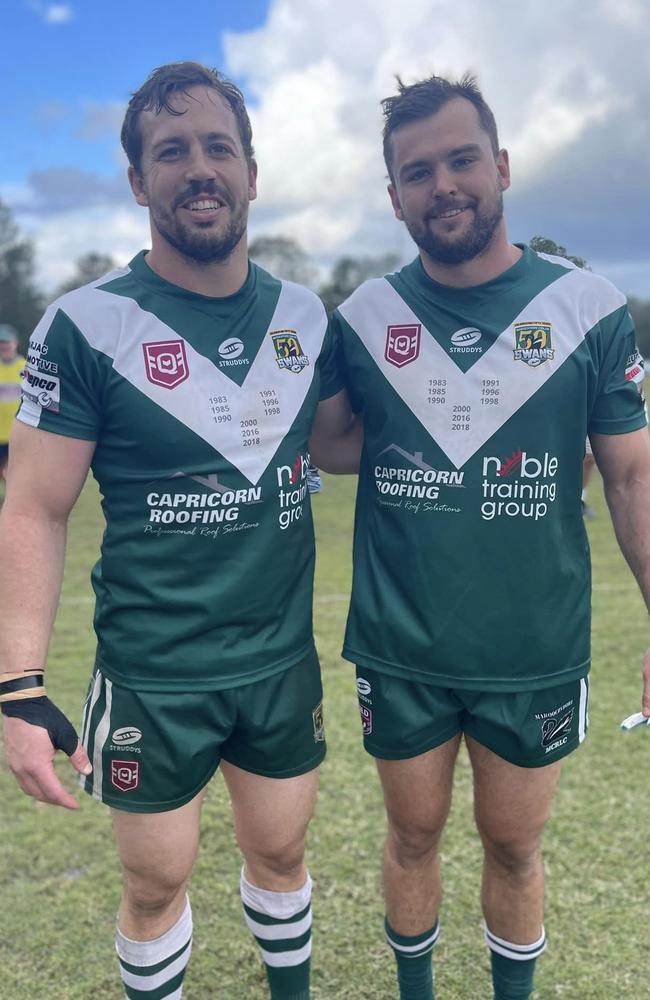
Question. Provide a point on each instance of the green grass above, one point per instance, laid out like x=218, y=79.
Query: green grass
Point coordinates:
x=59, y=881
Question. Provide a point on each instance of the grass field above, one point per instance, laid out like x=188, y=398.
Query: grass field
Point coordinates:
x=59, y=882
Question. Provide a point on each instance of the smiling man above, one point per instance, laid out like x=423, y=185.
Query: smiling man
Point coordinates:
x=189, y=382
x=479, y=370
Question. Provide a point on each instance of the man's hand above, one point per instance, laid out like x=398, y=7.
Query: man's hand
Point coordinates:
x=30, y=747
x=645, y=700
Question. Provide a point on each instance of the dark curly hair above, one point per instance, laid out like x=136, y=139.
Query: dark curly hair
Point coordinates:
x=156, y=93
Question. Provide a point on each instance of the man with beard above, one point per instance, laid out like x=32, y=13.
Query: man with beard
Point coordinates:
x=479, y=369
x=188, y=381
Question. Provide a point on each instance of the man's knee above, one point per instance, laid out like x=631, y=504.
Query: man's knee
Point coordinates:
x=282, y=857
x=518, y=856
x=410, y=842
x=148, y=894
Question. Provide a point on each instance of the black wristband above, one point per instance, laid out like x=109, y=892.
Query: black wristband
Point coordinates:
x=42, y=712
x=21, y=684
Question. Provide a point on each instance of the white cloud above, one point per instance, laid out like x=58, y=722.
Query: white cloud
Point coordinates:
x=57, y=13
x=120, y=233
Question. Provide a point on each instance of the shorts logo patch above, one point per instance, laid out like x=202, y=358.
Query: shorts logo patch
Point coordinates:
x=289, y=353
x=127, y=735
x=319, y=724
x=366, y=719
x=533, y=343
x=125, y=774
x=363, y=686
x=165, y=363
x=555, y=731
x=402, y=344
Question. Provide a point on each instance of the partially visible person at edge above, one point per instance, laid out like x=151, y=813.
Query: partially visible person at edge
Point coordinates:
x=188, y=381
x=11, y=372
x=479, y=370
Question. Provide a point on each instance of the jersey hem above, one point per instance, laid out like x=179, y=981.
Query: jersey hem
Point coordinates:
x=189, y=685
x=498, y=684
x=607, y=427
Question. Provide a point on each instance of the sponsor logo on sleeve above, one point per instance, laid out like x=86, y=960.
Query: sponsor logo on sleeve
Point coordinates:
x=533, y=343
x=289, y=354
x=634, y=370
x=165, y=363
x=402, y=344
x=125, y=775
x=42, y=388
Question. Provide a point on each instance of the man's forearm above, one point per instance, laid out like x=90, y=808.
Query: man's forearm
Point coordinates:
x=32, y=552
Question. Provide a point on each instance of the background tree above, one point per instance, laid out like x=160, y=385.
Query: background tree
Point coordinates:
x=284, y=258
x=542, y=244
x=21, y=302
x=88, y=267
x=348, y=273
x=640, y=310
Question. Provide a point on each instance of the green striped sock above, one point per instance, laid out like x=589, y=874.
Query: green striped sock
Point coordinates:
x=281, y=925
x=414, y=965
x=513, y=966
x=154, y=970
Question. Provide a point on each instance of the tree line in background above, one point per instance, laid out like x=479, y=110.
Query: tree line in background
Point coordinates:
x=22, y=301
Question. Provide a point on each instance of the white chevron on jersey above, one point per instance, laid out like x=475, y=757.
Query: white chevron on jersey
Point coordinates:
x=189, y=402
x=376, y=305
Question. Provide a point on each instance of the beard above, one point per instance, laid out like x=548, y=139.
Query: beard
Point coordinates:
x=470, y=244
x=203, y=245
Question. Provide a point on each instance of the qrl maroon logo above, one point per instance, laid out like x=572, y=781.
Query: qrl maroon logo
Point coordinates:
x=165, y=362
x=402, y=344
x=366, y=719
x=125, y=774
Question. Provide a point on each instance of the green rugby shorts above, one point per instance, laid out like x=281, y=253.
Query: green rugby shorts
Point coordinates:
x=154, y=751
x=402, y=718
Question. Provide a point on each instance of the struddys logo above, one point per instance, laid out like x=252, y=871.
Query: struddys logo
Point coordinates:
x=165, y=362
x=556, y=727
x=292, y=490
x=289, y=354
x=402, y=344
x=533, y=343
x=519, y=485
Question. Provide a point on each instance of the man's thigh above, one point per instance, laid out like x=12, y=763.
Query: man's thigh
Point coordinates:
x=160, y=846
x=511, y=803
x=417, y=790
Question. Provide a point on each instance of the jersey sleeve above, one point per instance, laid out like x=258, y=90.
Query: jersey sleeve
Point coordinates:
x=341, y=333
x=329, y=364
x=619, y=406
x=62, y=385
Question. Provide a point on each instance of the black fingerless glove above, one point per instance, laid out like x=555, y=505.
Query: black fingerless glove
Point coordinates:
x=42, y=712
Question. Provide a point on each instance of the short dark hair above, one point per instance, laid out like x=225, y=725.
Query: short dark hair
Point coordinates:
x=156, y=93
x=419, y=100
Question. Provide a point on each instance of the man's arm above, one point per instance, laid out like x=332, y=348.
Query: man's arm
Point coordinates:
x=337, y=436
x=624, y=463
x=46, y=474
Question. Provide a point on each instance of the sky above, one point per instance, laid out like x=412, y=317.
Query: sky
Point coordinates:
x=568, y=81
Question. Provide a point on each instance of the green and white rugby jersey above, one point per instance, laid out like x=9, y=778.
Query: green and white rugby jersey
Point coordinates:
x=471, y=562
x=201, y=408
